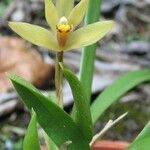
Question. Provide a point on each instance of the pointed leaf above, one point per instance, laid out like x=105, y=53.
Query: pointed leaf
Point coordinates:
x=64, y=7
x=88, y=35
x=34, y=34
x=142, y=141
x=31, y=139
x=51, y=14
x=78, y=13
x=58, y=125
x=116, y=90
x=83, y=115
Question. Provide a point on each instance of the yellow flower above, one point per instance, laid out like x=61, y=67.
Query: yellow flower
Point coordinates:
x=63, y=20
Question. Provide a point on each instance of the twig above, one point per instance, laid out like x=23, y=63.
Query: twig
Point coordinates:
x=65, y=145
x=109, y=124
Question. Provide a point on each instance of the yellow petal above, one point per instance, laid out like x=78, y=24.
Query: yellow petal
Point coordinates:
x=51, y=14
x=64, y=7
x=88, y=35
x=78, y=13
x=35, y=34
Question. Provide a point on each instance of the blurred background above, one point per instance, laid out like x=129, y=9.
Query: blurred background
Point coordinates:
x=125, y=48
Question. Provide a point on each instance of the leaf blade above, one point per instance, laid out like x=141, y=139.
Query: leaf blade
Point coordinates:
x=31, y=138
x=142, y=140
x=56, y=123
x=116, y=90
x=82, y=107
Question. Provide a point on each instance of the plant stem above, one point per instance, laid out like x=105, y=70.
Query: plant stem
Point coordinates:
x=59, y=79
x=89, y=53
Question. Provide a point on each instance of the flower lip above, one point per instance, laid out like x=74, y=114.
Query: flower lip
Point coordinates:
x=63, y=30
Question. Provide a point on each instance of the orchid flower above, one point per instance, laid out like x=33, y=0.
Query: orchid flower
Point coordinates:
x=63, y=20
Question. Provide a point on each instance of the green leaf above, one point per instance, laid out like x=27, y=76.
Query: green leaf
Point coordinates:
x=64, y=7
x=51, y=14
x=78, y=13
x=82, y=112
x=88, y=35
x=88, y=53
x=116, y=90
x=142, y=141
x=58, y=125
x=31, y=139
x=34, y=34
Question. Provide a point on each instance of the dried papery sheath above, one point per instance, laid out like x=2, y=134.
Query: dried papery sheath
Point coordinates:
x=63, y=30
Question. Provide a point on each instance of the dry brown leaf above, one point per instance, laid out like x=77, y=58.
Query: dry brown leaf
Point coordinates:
x=18, y=57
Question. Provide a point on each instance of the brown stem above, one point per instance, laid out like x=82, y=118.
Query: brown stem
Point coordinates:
x=59, y=78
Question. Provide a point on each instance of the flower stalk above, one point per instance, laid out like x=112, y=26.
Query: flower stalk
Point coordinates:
x=59, y=79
